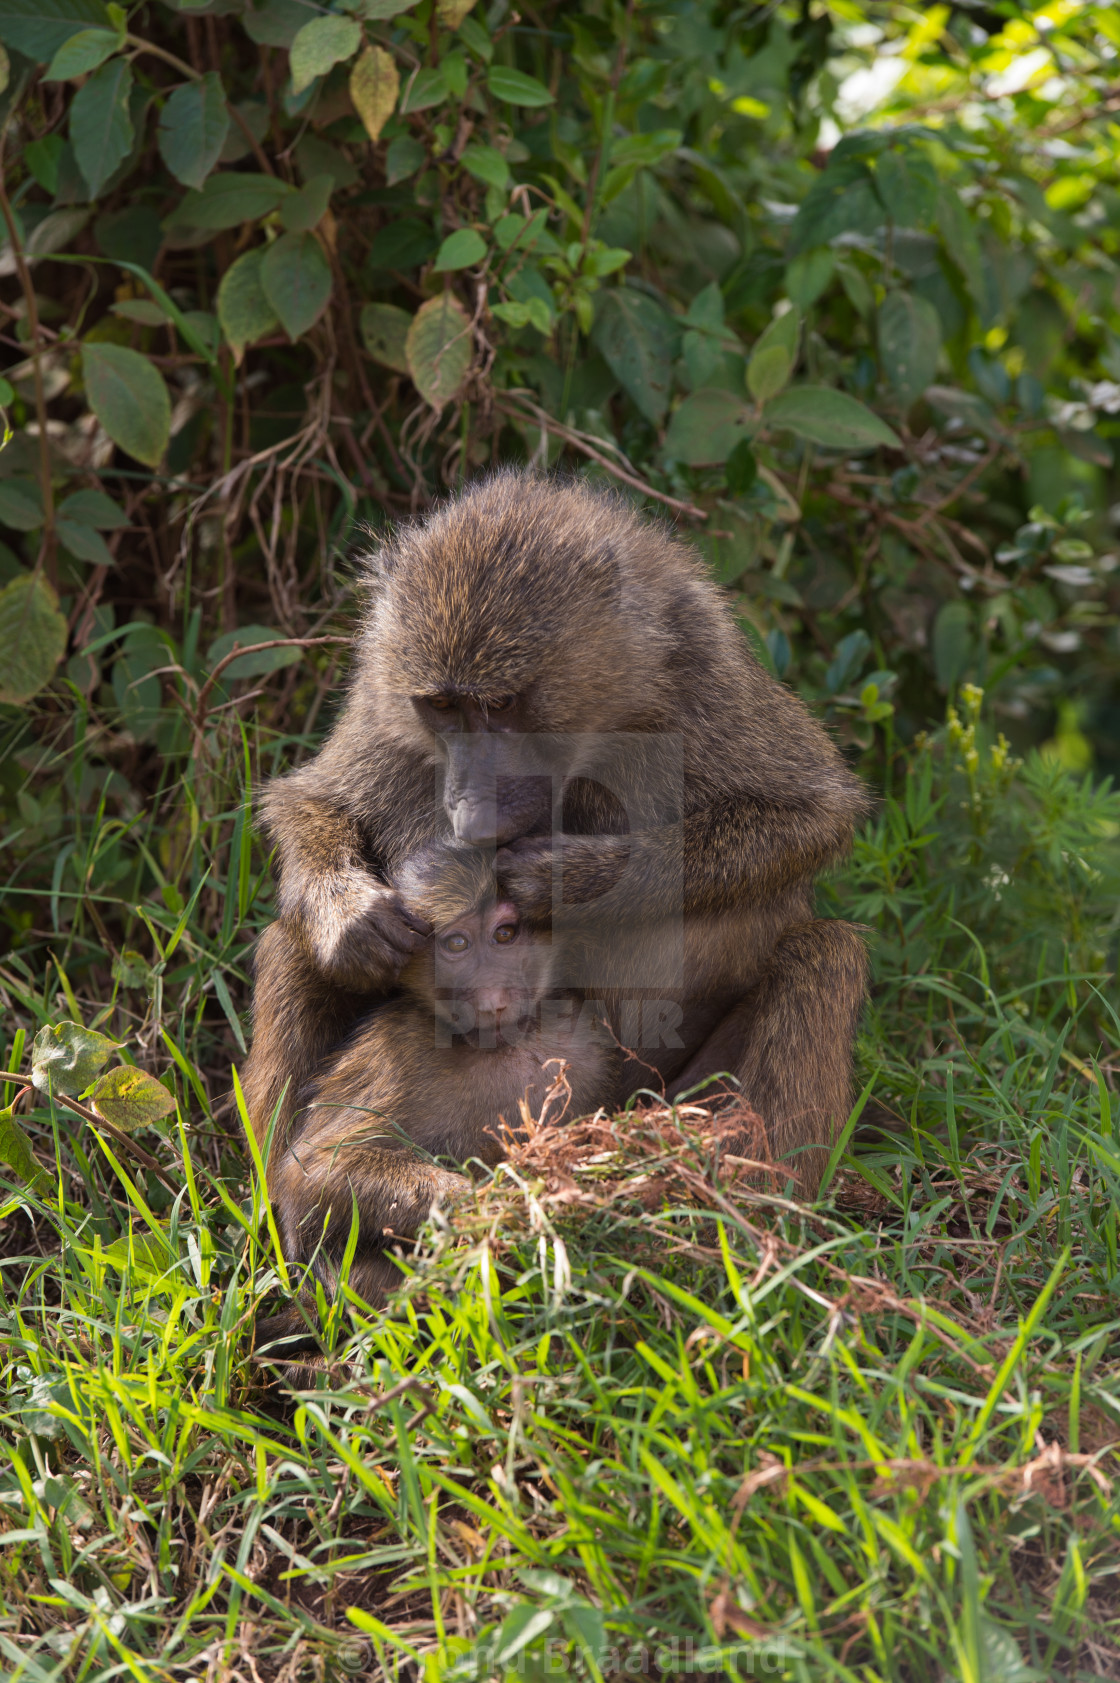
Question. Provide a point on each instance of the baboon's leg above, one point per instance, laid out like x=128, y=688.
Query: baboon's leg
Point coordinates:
x=790, y=1042
x=328, y=1170
x=297, y=1017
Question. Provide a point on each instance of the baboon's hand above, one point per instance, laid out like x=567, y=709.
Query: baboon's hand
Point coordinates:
x=590, y=868
x=524, y=870
x=362, y=933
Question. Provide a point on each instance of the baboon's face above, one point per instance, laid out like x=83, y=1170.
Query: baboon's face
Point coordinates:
x=497, y=780
x=488, y=962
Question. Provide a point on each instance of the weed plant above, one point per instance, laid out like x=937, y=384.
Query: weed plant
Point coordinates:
x=833, y=288
x=627, y=1411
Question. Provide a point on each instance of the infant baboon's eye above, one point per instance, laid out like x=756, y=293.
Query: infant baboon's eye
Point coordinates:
x=456, y=943
x=505, y=933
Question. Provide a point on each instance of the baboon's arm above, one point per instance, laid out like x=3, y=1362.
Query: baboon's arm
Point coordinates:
x=356, y=930
x=738, y=850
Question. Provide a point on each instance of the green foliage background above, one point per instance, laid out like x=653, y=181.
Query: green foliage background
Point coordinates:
x=834, y=289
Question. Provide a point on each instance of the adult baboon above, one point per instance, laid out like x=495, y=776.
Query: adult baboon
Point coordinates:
x=437, y=1072
x=543, y=671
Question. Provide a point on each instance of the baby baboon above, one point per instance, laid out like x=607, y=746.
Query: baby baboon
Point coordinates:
x=545, y=672
x=433, y=1073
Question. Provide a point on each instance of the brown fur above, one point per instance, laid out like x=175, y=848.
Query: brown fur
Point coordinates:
x=562, y=605
x=406, y=1088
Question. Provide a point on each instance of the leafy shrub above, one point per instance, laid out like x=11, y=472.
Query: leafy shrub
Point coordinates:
x=834, y=287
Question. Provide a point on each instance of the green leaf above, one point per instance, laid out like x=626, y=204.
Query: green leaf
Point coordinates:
x=841, y=201
x=486, y=164
x=962, y=241
x=67, y=1058
x=706, y=309
x=532, y=312
x=707, y=427
x=741, y=469
x=524, y=232
x=425, y=89
x=403, y=244
x=84, y=543
x=243, y=310
x=460, y=250
x=404, y=157
x=142, y=310
x=193, y=127
x=136, y=691
x=296, y=280
x=16, y=1151
x=966, y=407
x=128, y=395
x=56, y=231
x=588, y=1626
x=131, y=1098
x=320, y=45
x=384, y=333
x=808, y=276
x=830, y=418
x=645, y=149
x=303, y=211
x=953, y=643
x=452, y=12
x=132, y=970
x=773, y=358
x=519, y=1628
x=146, y=1256
x=230, y=198
x=908, y=186
x=528, y=286
x=516, y=88
x=130, y=235
x=256, y=665
x=377, y=11
x=319, y=157
x=600, y=260
x=32, y=634
x=43, y=158
x=439, y=348
x=634, y=335
x=100, y=125
x=909, y=330
x=81, y=54
x=768, y=372
x=21, y=505
x=275, y=24
x=375, y=86
x=38, y=28
x=201, y=331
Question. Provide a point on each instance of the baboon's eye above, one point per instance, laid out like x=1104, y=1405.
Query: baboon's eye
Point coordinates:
x=439, y=703
x=505, y=933
x=500, y=703
x=456, y=943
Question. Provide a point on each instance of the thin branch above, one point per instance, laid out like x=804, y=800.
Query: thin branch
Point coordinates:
x=581, y=441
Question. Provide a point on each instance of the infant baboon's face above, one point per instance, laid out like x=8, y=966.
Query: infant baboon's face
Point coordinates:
x=488, y=963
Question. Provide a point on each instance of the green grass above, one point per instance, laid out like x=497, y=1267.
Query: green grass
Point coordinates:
x=628, y=1410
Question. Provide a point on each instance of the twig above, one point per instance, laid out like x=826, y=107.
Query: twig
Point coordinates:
x=580, y=441
x=121, y=1140
x=200, y=709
